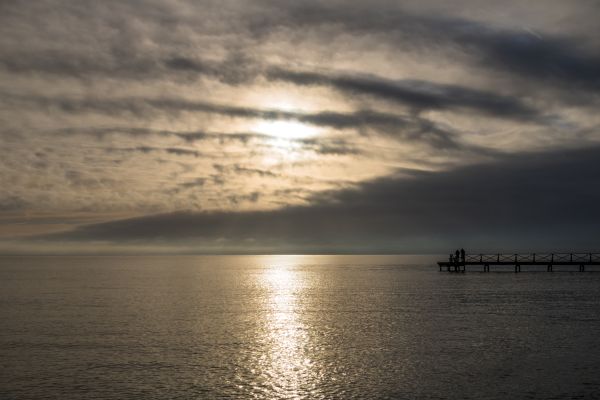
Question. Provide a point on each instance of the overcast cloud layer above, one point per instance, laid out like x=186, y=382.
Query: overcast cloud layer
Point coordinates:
x=313, y=126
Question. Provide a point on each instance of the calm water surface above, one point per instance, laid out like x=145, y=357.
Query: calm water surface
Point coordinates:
x=291, y=327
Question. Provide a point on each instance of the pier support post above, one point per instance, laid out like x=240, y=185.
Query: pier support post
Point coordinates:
x=582, y=268
x=549, y=269
x=517, y=268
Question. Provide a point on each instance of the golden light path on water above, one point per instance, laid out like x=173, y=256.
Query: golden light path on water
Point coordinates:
x=288, y=365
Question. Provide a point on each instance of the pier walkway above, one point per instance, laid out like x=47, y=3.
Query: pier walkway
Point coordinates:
x=549, y=260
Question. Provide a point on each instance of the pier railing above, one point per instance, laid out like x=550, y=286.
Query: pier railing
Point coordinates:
x=533, y=257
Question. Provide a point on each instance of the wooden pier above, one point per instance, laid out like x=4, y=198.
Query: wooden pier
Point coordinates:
x=548, y=260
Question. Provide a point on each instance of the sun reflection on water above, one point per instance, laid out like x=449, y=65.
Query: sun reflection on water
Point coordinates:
x=288, y=365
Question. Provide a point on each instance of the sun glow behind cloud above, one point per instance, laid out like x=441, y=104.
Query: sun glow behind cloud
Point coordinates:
x=285, y=129
x=286, y=134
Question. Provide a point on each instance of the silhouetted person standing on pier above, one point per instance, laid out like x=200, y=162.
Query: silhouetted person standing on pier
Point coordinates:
x=457, y=254
x=462, y=255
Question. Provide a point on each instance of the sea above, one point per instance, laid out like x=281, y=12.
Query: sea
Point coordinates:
x=294, y=327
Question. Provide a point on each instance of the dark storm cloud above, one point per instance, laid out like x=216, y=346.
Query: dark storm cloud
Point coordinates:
x=536, y=196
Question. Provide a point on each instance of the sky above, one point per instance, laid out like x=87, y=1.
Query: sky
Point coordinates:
x=175, y=126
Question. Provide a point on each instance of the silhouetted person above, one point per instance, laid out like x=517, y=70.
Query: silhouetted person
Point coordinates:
x=451, y=258
x=462, y=255
x=457, y=254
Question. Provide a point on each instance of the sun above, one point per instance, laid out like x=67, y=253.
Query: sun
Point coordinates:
x=285, y=129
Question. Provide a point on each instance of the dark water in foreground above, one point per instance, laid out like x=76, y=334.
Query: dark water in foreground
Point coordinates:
x=314, y=327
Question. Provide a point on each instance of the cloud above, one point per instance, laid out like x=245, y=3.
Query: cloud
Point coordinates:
x=233, y=70
x=237, y=169
x=86, y=181
x=79, y=65
x=152, y=106
x=333, y=147
x=193, y=183
x=12, y=203
x=187, y=136
x=557, y=59
x=476, y=203
x=403, y=127
x=150, y=149
x=418, y=95
x=548, y=58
